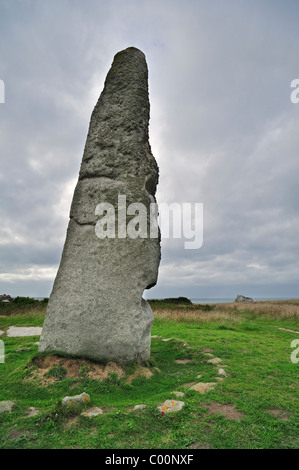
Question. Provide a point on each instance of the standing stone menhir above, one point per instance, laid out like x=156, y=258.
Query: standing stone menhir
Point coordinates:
x=96, y=309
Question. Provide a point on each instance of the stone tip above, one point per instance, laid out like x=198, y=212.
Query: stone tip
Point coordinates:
x=130, y=50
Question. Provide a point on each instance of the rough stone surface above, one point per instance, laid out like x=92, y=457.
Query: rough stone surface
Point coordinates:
x=242, y=298
x=96, y=309
x=32, y=411
x=170, y=406
x=178, y=394
x=91, y=412
x=203, y=387
x=6, y=406
x=140, y=407
x=215, y=360
x=223, y=373
x=76, y=400
x=18, y=331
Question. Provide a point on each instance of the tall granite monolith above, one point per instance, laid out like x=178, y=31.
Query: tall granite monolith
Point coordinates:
x=96, y=309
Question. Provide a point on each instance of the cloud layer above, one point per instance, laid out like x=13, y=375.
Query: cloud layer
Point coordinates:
x=223, y=130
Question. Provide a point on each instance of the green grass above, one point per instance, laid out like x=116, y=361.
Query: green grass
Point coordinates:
x=262, y=378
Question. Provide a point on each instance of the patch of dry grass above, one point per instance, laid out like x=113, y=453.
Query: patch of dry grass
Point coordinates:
x=285, y=309
x=199, y=316
x=275, y=309
x=75, y=366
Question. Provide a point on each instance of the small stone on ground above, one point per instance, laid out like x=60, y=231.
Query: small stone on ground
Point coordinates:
x=76, y=399
x=140, y=407
x=6, y=406
x=91, y=412
x=178, y=394
x=203, y=387
x=32, y=411
x=170, y=406
x=215, y=360
x=18, y=331
x=222, y=372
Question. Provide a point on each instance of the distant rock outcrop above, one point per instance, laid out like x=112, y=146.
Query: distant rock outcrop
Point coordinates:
x=242, y=298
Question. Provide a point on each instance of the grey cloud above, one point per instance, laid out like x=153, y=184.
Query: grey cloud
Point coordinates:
x=222, y=129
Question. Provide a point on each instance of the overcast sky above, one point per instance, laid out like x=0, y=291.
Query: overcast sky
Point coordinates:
x=223, y=130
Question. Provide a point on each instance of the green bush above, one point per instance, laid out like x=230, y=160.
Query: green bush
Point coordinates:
x=24, y=300
x=172, y=300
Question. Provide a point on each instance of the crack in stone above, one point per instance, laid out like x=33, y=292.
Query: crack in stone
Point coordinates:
x=82, y=223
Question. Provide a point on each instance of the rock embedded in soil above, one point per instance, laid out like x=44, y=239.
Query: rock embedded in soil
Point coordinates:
x=178, y=394
x=92, y=412
x=215, y=360
x=140, y=407
x=32, y=411
x=170, y=406
x=20, y=331
x=96, y=309
x=203, y=387
x=76, y=400
x=223, y=373
x=6, y=406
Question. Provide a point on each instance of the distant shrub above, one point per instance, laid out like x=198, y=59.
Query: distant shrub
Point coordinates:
x=172, y=300
x=24, y=300
x=22, y=305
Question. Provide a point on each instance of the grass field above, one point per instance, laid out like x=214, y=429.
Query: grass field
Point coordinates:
x=255, y=406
